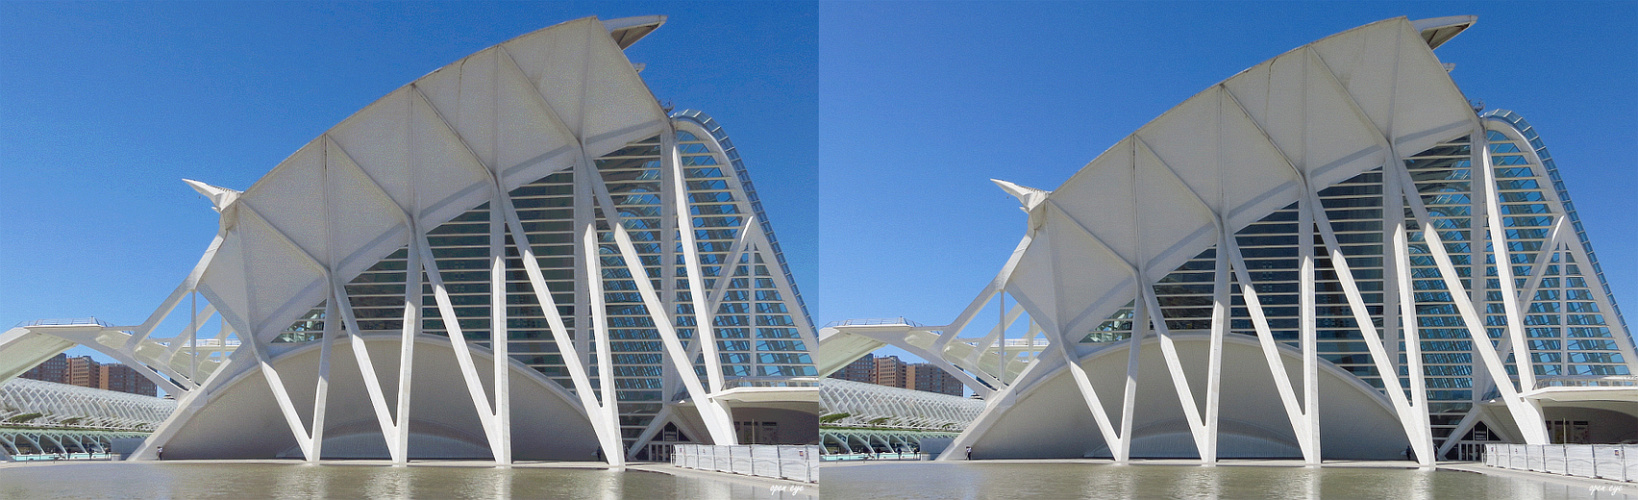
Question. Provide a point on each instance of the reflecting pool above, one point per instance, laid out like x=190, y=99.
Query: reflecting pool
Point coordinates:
x=303, y=481
x=1098, y=481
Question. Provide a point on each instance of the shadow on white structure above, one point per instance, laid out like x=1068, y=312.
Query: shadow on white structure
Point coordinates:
x=1281, y=205
x=1357, y=422
x=547, y=424
x=534, y=191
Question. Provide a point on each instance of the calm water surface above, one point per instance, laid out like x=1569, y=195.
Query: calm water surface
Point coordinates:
x=1098, y=481
x=243, y=481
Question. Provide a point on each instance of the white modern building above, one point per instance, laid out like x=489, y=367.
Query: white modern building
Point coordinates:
x=351, y=302
x=858, y=417
x=1295, y=263
x=42, y=419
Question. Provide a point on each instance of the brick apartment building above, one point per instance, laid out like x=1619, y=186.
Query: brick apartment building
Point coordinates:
x=86, y=372
x=892, y=372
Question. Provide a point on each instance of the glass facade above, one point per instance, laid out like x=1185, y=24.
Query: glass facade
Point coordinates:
x=1570, y=319
x=760, y=318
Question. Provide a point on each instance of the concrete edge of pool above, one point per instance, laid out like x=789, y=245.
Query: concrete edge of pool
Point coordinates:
x=648, y=467
x=1605, y=485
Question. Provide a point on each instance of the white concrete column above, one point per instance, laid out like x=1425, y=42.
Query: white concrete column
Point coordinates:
x=1485, y=174
x=1521, y=410
x=406, y=353
x=1306, y=321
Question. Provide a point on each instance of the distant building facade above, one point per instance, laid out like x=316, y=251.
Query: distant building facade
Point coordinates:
x=83, y=371
x=930, y=378
x=860, y=370
x=894, y=372
x=121, y=378
x=52, y=370
x=891, y=372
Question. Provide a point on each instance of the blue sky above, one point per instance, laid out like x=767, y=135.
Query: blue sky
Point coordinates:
x=922, y=103
x=105, y=107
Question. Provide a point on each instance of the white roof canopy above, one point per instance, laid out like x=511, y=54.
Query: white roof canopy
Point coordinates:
x=1324, y=112
x=428, y=151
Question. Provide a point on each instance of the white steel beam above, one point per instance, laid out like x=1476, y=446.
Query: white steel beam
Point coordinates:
x=1174, y=365
x=554, y=319
x=1299, y=423
x=648, y=433
x=1220, y=301
x=725, y=276
x=1622, y=338
x=398, y=436
x=669, y=378
x=1544, y=258
x=331, y=312
x=457, y=338
x=1522, y=357
x=196, y=318
x=498, y=425
x=1606, y=308
x=406, y=352
x=996, y=338
x=712, y=412
x=605, y=359
x=1144, y=301
x=1271, y=351
x=1306, y=325
x=1399, y=291
x=1116, y=440
x=737, y=251
x=499, y=336
x=704, y=329
x=372, y=383
x=1463, y=426
x=1134, y=346
x=1412, y=422
x=169, y=304
x=1088, y=394
x=276, y=385
x=804, y=329
x=1523, y=411
x=321, y=393
x=585, y=216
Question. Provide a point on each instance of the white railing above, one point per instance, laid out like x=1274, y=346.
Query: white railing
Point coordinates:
x=733, y=382
x=873, y=322
x=1617, y=462
x=1589, y=381
x=793, y=462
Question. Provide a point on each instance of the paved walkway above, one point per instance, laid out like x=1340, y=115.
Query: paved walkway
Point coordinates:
x=665, y=468
x=1604, y=485
x=1373, y=464
x=655, y=467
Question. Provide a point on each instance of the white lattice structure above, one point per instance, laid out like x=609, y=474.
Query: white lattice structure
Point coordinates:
x=535, y=191
x=848, y=441
x=881, y=406
x=1320, y=205
x=63, y=442
x=63, y=405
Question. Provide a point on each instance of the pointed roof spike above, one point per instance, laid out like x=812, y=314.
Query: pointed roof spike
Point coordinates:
x=628, y=30
x=1028, y=196
x=219, y=196
x=1438, y=30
